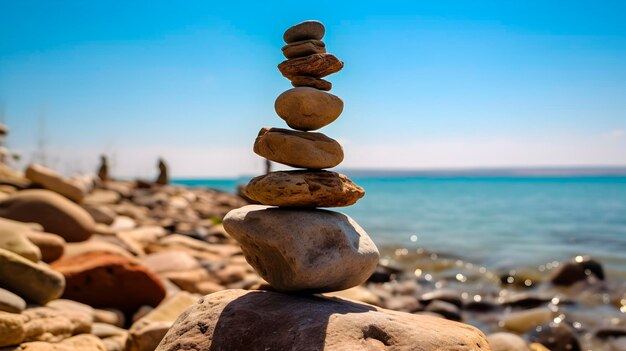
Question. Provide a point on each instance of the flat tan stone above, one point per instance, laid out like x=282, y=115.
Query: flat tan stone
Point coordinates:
x=304, y=189
x=52, y=325
x=31, y=281
x=11, y=329
x=298, y=149
x=83, y=342
x=53, y=181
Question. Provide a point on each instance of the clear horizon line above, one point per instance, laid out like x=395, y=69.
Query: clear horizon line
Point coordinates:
x=599, y=170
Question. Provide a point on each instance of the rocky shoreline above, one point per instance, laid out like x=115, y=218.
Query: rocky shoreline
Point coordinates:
x=95, y=264
x=153, y=252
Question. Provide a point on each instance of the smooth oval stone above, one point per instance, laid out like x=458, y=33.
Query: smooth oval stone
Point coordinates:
x=9, y=302
x=522, y=321
x=579, y=269
x=317, y=83
x=55, y=213
x=304, y=189
x=308, y=108
x=303, y=31
x=34, y=282
x=556, y=337
x=316, y=65
x=303, y=250
x=304, y=48
x=237, y=319
x=446, y=309
x=298, y=149
x=506, y=342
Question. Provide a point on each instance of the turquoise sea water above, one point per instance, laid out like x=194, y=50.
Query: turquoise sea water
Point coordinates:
x=500, y=222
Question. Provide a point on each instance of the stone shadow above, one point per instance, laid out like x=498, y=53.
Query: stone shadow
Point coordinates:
x=275, y=321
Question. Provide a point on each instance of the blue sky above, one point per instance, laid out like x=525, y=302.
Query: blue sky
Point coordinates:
x=426, y=84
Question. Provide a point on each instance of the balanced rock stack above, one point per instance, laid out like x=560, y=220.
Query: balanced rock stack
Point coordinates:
x=298, y=248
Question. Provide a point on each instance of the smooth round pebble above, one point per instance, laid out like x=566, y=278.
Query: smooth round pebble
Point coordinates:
x=308, y=109
x=303, y=31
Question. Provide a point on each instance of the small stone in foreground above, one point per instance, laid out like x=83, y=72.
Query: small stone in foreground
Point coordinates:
x=82, y=342
x=316, y=65
x=237, y=319
x=304, y=48
x=9, y=302
x=13, y=237
x=304, y=189
x=306, y=109
x=298, y=149
x=11, y=329
x=51, y=246
x=31, y=281
x=303, y=31
x=106, y=280
x=303, y=250
x=55, y=213
x=507, y=342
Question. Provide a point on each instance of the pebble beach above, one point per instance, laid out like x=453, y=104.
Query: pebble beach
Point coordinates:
x=95, y=263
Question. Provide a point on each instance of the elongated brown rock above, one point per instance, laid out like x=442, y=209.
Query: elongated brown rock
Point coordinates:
x=53, y=181
x=101, y=279
x=317, y=83
x=304, y=48
x=304, y=189
x=298, y=149
x=308, y=108
x=316, y=65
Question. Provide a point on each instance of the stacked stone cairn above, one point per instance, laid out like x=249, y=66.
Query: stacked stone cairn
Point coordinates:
x=296, y=246
x=300, y=249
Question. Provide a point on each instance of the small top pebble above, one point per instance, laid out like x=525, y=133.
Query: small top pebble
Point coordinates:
x=303, y=31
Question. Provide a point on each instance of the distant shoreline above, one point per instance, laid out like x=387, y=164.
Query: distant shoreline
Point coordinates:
x=495, y=172
x=618, y=171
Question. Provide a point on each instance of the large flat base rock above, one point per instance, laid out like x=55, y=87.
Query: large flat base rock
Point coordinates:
x=263, y=320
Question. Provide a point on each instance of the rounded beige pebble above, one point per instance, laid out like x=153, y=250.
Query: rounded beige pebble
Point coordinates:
x=306, y=109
